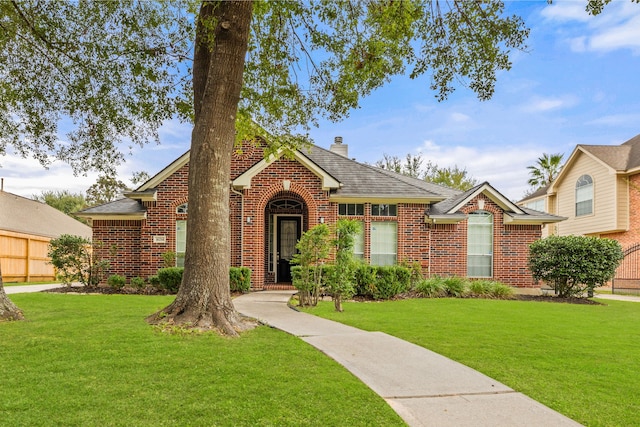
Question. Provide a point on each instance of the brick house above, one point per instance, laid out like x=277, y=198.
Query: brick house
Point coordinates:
x=477, y=233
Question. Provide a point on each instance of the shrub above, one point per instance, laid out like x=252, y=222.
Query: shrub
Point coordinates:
x=573, y=264
x=169, y=259
x=239, y=279
x=415, y=272
x=116, y=281
x=75, y=259
x=500, y=290
x=154, y=281
x=490, y=289
x=365, y=277
x=391, y=281
x=137, y=282
x=456, y=286
x=431, y=288
x=170, y=278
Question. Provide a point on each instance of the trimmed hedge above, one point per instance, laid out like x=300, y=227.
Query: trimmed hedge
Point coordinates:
x=382, y=282
x=170, y=278
x=239, y=279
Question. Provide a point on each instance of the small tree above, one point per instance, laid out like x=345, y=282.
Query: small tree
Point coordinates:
x=313, y=248
x=340, y=280
x=573, y=264
x=75, y=260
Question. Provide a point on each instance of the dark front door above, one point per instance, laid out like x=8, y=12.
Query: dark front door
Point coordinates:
x=289, y=231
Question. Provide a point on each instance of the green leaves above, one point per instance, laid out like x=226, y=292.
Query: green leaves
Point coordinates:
x=573, y=264
x=107, y=72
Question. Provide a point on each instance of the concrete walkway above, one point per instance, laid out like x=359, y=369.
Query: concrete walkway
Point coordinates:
x=30, y=288
x=423, y=387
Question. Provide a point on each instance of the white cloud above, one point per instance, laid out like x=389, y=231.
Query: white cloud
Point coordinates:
x=624, y=36
x=504, y=167
x=617, y=27
x=540, y=104
x=26, y=177
x=566, y=11
x=616, y=120
x=459, y=117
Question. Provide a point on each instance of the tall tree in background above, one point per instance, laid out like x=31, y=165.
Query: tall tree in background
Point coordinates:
x=452, y=177
x=545, y=171
x=107, y=188
x=64, y=201
x=116, y=69
x=410, y=167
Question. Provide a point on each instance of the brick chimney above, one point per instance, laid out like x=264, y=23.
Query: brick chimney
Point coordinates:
x=339, y=148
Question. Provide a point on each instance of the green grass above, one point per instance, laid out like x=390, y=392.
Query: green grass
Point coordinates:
x=89, y=360
x=581, y=360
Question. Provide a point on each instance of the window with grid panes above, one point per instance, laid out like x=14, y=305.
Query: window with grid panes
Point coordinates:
x=383, y=210
x=350, y=209
x=384, y=243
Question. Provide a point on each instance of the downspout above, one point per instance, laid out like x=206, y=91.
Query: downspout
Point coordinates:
x=234, y=191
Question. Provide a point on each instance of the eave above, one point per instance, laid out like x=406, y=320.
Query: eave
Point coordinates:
x=339, y=198
x=445, y=219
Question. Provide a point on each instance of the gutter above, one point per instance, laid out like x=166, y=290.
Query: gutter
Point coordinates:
x=234, y=191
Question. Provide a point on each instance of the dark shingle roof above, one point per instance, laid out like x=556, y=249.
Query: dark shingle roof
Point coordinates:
x=538, y=193
x=361, y=180
x=122, y=206
x=356, y=180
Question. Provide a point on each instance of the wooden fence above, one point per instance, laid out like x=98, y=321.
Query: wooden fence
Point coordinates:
x=23, y=258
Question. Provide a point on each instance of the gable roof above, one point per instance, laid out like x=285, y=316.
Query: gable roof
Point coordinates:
x=22, y=215
x=347, y=181
x=328, y=181
x=449, y=211
x=623, y=158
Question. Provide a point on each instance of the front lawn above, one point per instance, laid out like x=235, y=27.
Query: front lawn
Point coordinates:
x=91, y=360
x=581, y=360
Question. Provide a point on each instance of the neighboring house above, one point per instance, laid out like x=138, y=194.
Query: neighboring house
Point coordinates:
x=26, y=227
x=598, y=191
x=478, y=233
x=537, y=201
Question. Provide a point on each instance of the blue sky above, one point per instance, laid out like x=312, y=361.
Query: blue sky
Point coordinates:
x=577, y=84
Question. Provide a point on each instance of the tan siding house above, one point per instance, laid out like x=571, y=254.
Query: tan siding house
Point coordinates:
x=598, y=191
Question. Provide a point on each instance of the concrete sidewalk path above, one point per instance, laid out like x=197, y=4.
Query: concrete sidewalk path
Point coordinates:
x=30, y=288
x=423, y=387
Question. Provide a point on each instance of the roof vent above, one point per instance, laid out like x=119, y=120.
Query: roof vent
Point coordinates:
x=339, y=148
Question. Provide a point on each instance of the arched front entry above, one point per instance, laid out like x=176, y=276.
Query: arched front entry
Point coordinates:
x=286, y=217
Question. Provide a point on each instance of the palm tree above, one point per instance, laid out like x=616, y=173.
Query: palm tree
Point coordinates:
x=545, y=170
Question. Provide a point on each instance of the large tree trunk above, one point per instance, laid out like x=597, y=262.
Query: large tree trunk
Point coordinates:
x=8, y=310
x=204, y=299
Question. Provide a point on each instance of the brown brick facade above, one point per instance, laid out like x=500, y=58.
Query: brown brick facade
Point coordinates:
x=632, y=235
x=136, y=248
